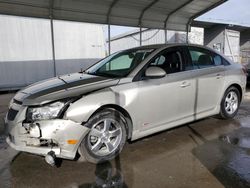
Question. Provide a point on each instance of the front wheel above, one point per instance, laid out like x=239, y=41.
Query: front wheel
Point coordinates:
x=106, y=137
x=230, y=103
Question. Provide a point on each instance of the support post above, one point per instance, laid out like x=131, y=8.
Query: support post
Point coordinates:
x=166, y=36
x=109, y=42
x=188, y=29
x=53, y=44
x=108, y=21
x=141, y=17
x=52, y=35
x=140, y=36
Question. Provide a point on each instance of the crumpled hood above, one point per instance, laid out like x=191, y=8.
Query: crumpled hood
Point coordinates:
x=62, y=87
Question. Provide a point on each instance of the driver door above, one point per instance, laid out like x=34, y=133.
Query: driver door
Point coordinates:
x=168, y=101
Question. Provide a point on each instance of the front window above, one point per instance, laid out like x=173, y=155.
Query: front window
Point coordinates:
x=169, y=60
x=119, y=64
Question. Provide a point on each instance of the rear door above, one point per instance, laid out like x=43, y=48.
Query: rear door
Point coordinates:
x=209, y=73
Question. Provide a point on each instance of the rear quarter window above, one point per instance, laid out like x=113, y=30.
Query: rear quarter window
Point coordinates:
x=225, y=62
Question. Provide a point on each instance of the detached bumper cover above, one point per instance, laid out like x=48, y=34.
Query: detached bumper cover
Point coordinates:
x=30, y=137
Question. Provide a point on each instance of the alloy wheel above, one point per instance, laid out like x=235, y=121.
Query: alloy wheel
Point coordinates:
x=104, y=137
x=231, y=102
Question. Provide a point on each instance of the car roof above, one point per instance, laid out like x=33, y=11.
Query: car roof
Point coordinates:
x=158, y=46
x=162, y=46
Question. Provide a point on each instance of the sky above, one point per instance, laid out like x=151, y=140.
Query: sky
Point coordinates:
x=236, y=12
x=233, y=11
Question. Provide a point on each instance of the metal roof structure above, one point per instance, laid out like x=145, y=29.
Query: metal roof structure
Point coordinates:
x=160, y=14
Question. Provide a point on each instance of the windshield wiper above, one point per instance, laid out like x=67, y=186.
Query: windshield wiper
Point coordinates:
x=101, y=74
x=104, y=75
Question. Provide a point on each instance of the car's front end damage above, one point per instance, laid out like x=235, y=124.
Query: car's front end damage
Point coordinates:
x=60, y=136
x=39, y=126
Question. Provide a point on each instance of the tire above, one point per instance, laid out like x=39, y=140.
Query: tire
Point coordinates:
x=230, y=103
x=106, y=137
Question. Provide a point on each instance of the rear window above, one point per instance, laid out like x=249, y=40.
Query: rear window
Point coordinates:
x=217, y=60
x=201, y=58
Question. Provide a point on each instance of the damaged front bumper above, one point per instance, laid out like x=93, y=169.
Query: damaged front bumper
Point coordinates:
x=63, y=137
x=33, y=150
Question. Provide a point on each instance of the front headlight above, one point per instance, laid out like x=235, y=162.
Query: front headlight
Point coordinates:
x=50, y=111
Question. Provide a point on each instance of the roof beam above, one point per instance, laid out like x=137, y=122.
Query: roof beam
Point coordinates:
x=145, y=9
x=110, y=10
x=51, y=8
x=203, y=12
x=23, y=4
x=77, y=11
x=208, y=9
x=176, y=10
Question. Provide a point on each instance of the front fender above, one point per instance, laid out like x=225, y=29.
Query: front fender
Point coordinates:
x=81, y=110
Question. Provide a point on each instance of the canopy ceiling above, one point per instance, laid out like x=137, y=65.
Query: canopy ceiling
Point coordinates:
x=160, y=14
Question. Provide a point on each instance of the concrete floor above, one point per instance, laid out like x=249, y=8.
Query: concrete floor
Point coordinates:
x=208, y=153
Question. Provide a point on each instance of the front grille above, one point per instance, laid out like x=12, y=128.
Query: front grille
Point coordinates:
x=12, y=114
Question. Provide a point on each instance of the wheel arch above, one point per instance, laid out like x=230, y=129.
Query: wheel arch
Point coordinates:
x=237, y=86
x=121, y=110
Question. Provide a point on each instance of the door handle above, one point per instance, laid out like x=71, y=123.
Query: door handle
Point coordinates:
x=185, y=84
x=218, y=76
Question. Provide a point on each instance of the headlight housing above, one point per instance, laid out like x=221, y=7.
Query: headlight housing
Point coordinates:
x=49, y=111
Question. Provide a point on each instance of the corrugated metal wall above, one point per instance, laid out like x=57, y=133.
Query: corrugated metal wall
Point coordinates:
x=26, y=49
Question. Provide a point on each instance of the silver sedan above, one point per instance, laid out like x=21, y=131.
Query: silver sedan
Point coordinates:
x=126, y=96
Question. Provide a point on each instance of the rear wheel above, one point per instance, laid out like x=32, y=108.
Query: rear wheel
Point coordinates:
x=230, y=103
x=106, y=138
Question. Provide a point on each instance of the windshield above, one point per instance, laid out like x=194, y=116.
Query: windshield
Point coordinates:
x=119, y=64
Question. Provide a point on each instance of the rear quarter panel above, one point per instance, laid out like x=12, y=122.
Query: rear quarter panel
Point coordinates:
x=235, y=75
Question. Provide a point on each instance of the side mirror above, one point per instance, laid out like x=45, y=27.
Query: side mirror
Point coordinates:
x=155, y=72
